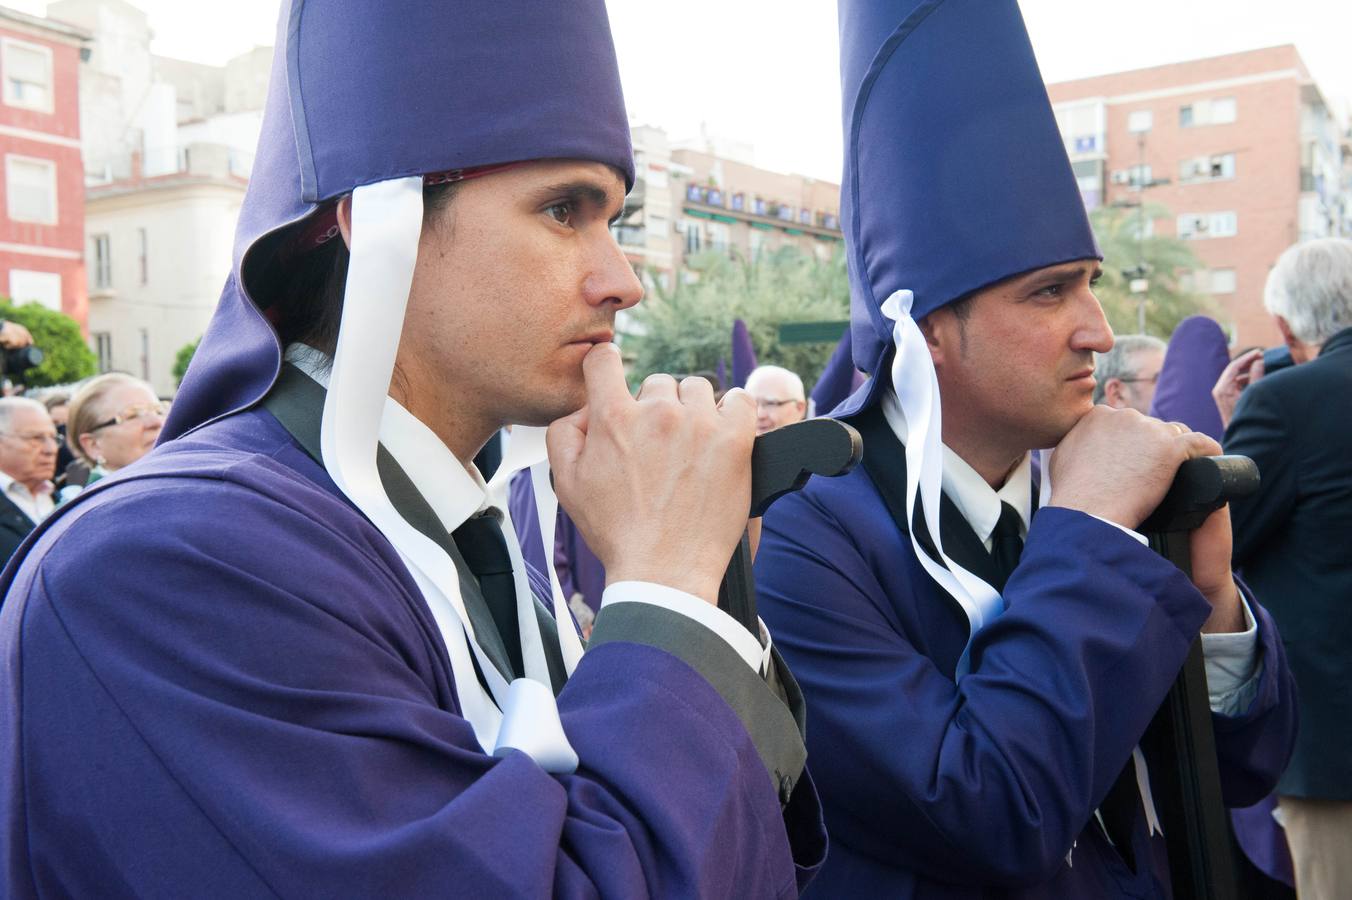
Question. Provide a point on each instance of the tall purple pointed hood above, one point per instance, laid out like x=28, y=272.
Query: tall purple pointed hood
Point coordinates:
x=743, y=354
x=359, y=94
x=956, y=176
x=1198, y=352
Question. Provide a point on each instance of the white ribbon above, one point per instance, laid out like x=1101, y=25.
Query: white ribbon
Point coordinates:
x=917, y=389
x=386, y=226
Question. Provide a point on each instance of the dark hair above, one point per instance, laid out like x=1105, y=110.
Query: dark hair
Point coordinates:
x=307, y=293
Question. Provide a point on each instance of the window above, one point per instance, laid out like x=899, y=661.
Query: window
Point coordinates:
x=719, y=237
x=694, y=236
x=1208, y=168
x=1194, y=226
x=1140, y=120
x=39, y=287
x=27, y=73
x=103, y=261
x=1220, y=111
x=145, y=354
x=1222, y=281
x=145, y=261
x=103, y=348
x=1136, y=176
x=31, y=188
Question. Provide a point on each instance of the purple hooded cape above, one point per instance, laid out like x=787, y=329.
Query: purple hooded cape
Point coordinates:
x=743, y=354
x=983, y=785
x=219, y=679
x=580, y=572
x=1198, y=353
x=839, y=378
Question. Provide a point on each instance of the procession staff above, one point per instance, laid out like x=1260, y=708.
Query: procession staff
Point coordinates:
x=295, y=651
x=978, y=675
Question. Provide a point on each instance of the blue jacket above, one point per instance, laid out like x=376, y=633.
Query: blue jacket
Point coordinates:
x=982, y=788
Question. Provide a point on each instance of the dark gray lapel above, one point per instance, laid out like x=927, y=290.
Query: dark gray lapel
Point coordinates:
x=297, y=401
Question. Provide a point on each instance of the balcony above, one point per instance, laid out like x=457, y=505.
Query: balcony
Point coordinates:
x=197, y=159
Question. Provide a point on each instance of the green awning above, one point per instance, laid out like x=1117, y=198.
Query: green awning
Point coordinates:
x=812, y=332
x=698, y=213
x=792, y=231
x=726, y=219
x=762, y=226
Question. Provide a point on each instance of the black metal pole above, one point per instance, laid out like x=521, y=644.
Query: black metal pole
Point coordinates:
x=1180, y=742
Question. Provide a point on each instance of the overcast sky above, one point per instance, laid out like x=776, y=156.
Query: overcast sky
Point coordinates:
x=765, y=71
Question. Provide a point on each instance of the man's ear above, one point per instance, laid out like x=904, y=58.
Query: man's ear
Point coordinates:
x=935, y=328
x=1288, y=337
x=1112, y=393
x=345, y=219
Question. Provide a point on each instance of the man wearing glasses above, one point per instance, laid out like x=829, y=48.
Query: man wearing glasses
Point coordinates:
x=1127, y=374
x=779, y=397
x=28, y=444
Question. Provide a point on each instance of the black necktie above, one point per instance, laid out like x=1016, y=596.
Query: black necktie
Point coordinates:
x=481, y=543
x=1006, y=544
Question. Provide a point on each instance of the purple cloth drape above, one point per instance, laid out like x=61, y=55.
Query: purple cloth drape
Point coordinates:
x=743, y=354
x=1198, y=353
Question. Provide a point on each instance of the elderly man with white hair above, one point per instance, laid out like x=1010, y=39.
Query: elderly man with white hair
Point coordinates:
x=1291, y=538
x=779, y=397
x=28, y=445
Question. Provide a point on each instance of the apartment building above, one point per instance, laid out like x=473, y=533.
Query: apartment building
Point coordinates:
x=168, y=148
x=42, y=208
x=1242, y=150
x=707, y=196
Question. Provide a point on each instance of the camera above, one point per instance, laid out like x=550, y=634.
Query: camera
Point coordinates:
x=1276, y=358
x=17, y=360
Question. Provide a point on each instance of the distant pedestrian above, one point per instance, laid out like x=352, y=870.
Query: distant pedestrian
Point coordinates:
x=1291, y=540
x=28, y=443
x=1125, y=376
x=779, y=397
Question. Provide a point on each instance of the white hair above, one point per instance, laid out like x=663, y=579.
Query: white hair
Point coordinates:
x=762, y=372
x=9, y=404
x=1311, y=288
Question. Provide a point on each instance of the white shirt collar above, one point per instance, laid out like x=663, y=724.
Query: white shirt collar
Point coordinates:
x=36, y=506
x=978, y=502
x=457, y=494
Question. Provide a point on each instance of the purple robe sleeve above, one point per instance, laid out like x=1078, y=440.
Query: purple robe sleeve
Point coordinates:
x=261, y=706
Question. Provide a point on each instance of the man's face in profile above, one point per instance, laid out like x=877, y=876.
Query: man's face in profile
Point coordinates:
x=516, y=281
x=1018, y=369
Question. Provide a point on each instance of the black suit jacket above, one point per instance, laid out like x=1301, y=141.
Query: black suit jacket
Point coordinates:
x=14, y=527
x=1293, y=541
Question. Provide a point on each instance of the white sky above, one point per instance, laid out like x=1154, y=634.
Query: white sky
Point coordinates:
x=765, y=71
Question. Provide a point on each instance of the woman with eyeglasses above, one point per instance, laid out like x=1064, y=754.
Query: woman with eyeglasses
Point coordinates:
x=114, y=421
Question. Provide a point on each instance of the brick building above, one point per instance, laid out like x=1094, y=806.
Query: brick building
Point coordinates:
x=1242, y=150
x=42, y=181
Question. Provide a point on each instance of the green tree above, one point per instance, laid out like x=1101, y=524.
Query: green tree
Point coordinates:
x=688, y=328
x=66, y=356
x=182, y=359
x=1165, y=258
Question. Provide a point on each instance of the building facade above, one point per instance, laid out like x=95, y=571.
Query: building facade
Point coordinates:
x=42, y=208
x=1241, y=150
x=168, y=148
x=690, y=199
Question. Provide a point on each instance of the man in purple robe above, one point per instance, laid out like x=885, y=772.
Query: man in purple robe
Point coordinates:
x=295, y=651
x=979, y=674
